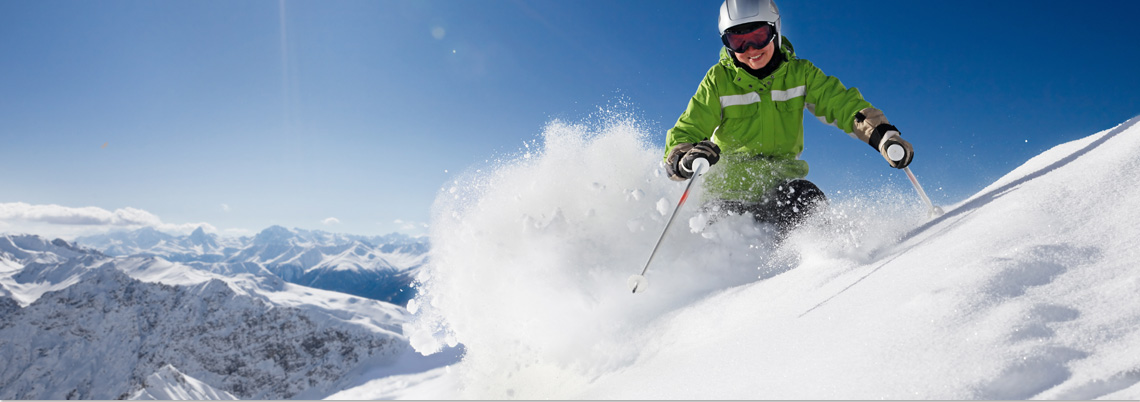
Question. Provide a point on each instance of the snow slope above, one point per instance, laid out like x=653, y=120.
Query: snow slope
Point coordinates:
x=1029, y=289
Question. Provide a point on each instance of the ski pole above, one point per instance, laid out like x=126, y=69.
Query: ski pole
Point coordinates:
x=638, y=283
x=896, y=153
x=934, y=210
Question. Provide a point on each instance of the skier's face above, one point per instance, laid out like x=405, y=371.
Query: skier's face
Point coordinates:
x=757, y=58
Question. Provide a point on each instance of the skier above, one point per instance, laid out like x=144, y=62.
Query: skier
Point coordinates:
x=747, y=114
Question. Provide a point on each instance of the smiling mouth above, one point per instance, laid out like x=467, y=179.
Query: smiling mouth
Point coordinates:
x=756, y=57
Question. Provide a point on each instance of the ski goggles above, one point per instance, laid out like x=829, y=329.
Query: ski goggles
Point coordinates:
x=756, y=36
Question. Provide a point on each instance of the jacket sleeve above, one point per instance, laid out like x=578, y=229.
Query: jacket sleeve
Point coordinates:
x=700, y=119
x=830, y=101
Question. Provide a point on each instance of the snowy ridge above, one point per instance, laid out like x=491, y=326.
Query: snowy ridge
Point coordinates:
x=379, y=267
x=170, y=384
x=1017, y=292
x=198, y=246
x=23, y=249
x=32, y=266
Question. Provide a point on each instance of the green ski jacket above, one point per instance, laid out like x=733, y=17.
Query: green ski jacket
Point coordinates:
x=758, y=123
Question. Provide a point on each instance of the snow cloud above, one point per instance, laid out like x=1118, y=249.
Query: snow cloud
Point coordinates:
x=59, y=220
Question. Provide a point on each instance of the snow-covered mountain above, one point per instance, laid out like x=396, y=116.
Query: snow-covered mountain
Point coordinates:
x=31, y=265
x=22, y=249
x=75, y=323
x=1028, y=289
x=377, y=267
x=198, y=246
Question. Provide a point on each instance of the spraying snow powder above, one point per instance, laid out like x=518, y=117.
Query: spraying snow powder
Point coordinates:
x=530, y=258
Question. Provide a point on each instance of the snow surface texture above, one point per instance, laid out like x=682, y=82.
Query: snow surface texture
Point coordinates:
x=1028, y=289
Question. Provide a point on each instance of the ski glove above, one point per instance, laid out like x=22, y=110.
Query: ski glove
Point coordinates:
x=679, y=164
x=872, y=127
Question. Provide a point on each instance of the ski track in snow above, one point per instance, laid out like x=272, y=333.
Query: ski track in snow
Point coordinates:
x=1026, y=290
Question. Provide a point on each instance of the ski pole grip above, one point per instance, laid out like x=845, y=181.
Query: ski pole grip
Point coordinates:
x=896, y=152
x=700, y=166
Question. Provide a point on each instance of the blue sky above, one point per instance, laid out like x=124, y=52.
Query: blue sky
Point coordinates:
x=247, y=114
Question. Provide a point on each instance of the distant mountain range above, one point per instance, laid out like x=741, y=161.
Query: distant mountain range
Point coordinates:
x=377, y=267
x=78, y=323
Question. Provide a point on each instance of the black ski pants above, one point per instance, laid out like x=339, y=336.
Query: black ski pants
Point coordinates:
x=785, y=206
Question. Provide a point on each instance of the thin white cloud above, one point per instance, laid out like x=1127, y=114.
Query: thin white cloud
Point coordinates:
x=226, y=207
x=408, y=225
x=58, y=220
x=330, y=221
x=61, y=215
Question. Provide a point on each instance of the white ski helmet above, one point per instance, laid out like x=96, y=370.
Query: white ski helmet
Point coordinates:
x=739, y=12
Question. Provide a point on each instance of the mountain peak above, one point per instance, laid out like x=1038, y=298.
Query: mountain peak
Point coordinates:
x=199, y=237
x=149, y=237
x=274, y=235
x=170, y=384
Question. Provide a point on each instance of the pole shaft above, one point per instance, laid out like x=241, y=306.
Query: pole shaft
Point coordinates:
x=684, y=196
x=918, y=188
